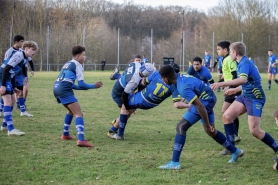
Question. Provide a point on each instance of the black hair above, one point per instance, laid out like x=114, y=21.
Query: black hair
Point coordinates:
x=77, y=50
x=167, y=72
x=270, y=50
x=18, y=38
x=198, y=59
x=137, y=56
x=224, y=44
x=175, y=66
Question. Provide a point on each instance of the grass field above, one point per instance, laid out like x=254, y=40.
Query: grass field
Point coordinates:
x=40, y=157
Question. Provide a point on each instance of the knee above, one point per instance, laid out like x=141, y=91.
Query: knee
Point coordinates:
x=227, y=118
x=255, y=132
x=209, y=131
x=182, y=127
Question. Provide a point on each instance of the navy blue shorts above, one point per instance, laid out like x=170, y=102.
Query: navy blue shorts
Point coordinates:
x=253, y=107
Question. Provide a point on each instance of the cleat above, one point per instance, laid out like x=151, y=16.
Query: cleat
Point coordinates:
x=69, y=137
x=116, y=70
x=171, y=166
x=268, y=89
x=84, y=144
x=111, y=133
x=237, y=154
x=26, y=114
x=4, y=128
x=15, y=132
x=275, y=158
x=225, y=152
x=117, y=137
x=237, y=139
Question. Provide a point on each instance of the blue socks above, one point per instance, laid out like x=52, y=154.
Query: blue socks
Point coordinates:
x=21, y=103
x=123, y=121
x=67, y=122
x=222, y=140
x=230, y=132
x=8, y=117
x=178, y=145
x=80, y=128
x=269, y=141
x=269, y=84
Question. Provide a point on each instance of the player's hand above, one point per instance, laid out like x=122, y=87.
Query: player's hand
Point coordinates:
x=230, y=91
x=273, y=65
x=215, y=86
x=98, y=84
x=226, y=88
x=2, y=90
x=18, y=92
x=32, y=73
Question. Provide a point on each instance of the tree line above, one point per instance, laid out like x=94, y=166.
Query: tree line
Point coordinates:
x=95, y=24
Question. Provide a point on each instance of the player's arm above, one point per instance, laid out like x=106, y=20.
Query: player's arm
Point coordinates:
x=235, y=82
x=6, y=74
x=215, y=63
x=276, y=62
x=32, y=67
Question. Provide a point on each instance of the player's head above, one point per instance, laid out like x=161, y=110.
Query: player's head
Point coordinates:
x=147, y=69
x=197, y=63
x=175, y=66
x=18, y=41
x=237, y=49
x=78, y=53
x=275, y=115
x=168, y=74
x=223, y=48
x=30, y=48
x=269, y=52
x=137, y=58
x=206, y=52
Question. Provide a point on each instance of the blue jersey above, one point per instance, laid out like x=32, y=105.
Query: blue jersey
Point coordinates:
x=203, y=74
x=191, y=88
x=155, y=93
x=17, y=60
x=271, y=60
x=145, y=60
x=207, y=59
x=71, y=71
x=253, y=87
x=219, y=60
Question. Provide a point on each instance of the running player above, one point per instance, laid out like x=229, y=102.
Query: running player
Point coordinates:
x=272, y=68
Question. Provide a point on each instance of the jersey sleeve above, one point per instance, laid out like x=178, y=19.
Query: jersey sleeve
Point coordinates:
x=190, y=70
x=133, y=83
x=244, y=70
x=79, y=72
x=176, y=96
x=8, y=53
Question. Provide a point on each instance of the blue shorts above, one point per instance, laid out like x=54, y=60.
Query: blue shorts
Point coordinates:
x=137, y=101
x=253, y=107
x=19, y=80
x=67, y=100
x=272, y=70
x=116, y=94
x=192, y=115
x=207, y=66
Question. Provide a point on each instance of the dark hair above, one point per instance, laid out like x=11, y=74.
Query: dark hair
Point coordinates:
x=175, y=66
x=77, y=50
x=270, y=50
x=198, y=59
x=137, y=56
x=224, y=44
x=275, y=113
x=18, y=38
x=167, y=72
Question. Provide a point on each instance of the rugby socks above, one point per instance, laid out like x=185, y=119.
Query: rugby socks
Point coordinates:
x=276, y=81
x=8, y=117
x=67, y=122
x=230, y=132
x=269, y=84
x=269, y=141
x=236, y=123
x=21, y=103
x=222, y=140
x=80, y=128
x=178, y=145
x=113, y=129
x=1, y=105
x=123, y=121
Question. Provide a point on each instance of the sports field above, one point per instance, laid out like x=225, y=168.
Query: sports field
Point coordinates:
x=40, y=157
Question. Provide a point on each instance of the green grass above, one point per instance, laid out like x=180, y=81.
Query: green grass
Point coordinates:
x=40, y=157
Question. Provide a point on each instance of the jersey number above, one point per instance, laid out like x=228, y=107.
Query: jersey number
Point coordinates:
x=160, y=86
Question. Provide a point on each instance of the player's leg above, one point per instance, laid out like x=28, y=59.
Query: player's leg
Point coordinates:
x=116, y=74
x=21, y=103
x=274, y=71
x=67, y=122
x=71, y=103
x=269, y=80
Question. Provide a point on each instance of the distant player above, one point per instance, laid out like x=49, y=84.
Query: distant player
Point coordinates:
x=207, y=60
x=202, y=101
x=252, y=99
x=272, y=68
x=63, y=92
x=156, y=92
x=199, y=71
x=219, y=60
x=145, y=59
x=8, y=70
x=125, y=86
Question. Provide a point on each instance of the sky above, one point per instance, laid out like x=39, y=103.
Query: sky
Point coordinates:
x=199, y=4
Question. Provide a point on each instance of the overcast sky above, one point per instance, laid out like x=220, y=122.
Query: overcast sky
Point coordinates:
x=200, y=4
